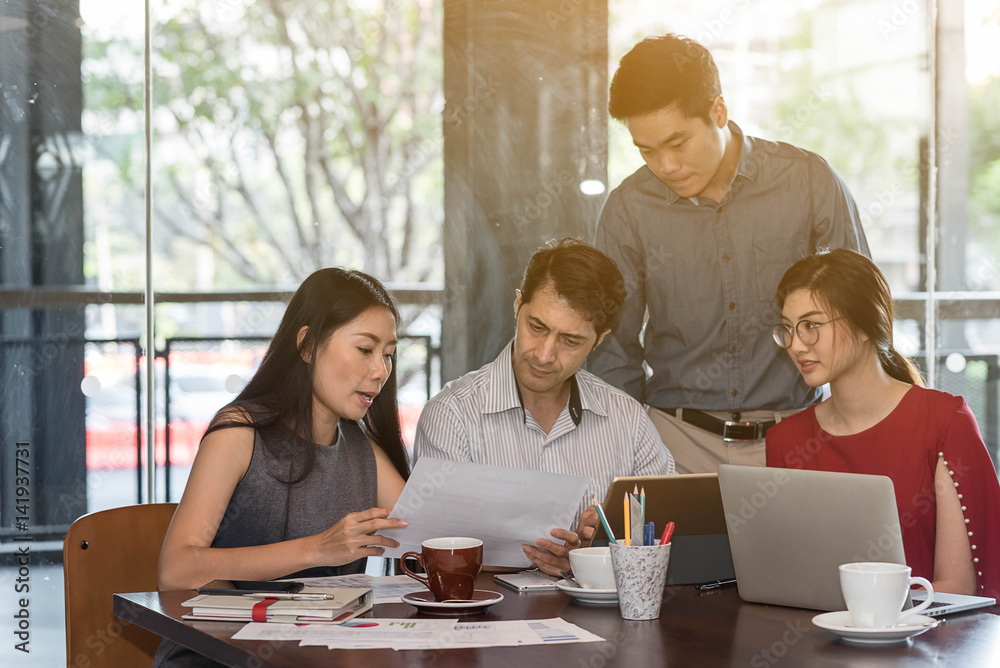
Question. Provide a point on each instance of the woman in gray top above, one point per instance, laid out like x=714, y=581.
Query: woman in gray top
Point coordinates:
x=296, y=475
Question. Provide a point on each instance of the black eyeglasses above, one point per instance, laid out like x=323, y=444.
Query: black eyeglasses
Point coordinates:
x=807, y=330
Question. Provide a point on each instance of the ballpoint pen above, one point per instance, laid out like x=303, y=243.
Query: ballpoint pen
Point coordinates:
x=715, y=584
x=285, y=596
x=668, y=531
x=648, y=534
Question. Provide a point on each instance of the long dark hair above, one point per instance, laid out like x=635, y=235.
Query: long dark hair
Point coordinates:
x=279, y=398
x=852, y=287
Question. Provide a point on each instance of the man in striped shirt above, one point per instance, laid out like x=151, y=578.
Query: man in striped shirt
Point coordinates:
x=533, y=407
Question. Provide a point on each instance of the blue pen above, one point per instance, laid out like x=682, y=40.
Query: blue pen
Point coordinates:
x=649, y=534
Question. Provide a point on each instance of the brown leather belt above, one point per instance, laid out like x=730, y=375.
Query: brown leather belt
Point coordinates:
x=730, y=430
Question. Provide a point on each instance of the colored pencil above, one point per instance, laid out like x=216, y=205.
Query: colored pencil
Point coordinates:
x=628, y=519
x=604, y=521
x=642, y=501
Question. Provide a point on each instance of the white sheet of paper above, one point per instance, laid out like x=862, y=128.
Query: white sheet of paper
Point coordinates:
x=382, y=633
x=385, y=588
x=270, y=631
x=359, y=630
x=555, y=631
x=504, y=507
x=402, y=634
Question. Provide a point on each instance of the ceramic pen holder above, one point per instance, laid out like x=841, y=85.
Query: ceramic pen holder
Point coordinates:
x=640, y=574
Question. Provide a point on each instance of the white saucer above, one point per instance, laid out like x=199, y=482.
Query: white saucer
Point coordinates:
x=589, y=596
x=841, y=624
x=425, y=602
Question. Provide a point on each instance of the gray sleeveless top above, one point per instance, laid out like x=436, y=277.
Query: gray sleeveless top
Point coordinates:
x=265, y=510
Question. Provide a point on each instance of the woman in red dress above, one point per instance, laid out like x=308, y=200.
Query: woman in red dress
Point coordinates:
x=836, y=323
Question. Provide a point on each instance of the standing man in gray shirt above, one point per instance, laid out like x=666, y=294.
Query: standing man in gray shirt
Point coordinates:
x=702, y=234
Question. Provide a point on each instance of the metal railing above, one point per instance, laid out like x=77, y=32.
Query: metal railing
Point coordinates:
x=981, y=388
x=125, y=439
x=73, y=296
x=192, y=344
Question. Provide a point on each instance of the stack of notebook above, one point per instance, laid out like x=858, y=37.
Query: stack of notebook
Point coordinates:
x=311, y=605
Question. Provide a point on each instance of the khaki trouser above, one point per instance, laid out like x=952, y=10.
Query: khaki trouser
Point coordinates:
x=698, y=451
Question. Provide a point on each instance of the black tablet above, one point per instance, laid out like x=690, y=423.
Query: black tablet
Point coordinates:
x=240, y=587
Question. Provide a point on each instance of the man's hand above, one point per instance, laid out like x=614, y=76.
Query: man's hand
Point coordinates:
x=553, y=558
x=588, y=525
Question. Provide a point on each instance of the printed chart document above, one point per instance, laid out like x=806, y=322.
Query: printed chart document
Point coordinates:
x=423, y=634
x=504, y=507
x=359, y=634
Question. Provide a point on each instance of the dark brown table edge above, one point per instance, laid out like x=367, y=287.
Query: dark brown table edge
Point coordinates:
x=166, y=626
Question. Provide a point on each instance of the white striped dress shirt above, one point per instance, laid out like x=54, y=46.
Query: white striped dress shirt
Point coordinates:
x=479, y=418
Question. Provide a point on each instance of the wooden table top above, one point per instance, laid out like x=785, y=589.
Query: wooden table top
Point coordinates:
x=695, y=628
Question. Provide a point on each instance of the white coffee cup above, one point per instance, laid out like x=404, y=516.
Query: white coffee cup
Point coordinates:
x=875, y=593
x=592, y=567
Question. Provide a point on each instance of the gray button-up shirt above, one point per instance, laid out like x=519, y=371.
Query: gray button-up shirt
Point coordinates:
x=479, y=418
x=708, y=273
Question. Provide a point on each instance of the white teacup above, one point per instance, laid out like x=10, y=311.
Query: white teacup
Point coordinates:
x=875, y=593
x=592, y=567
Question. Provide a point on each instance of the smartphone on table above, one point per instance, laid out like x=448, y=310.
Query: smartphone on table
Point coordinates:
x=530, y=581
x=241, y=587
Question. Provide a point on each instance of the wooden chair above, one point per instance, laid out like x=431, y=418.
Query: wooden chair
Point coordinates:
x=108, y=552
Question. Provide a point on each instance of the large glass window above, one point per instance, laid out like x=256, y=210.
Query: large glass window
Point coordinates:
x=287, y=137
x=291, y=136
x=968, y=91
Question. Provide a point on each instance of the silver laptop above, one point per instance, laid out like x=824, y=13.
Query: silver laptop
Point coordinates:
x=945, y=604
x=789, y=530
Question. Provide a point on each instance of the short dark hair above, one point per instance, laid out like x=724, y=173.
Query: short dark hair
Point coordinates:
x=582, y=275
x=661, y=71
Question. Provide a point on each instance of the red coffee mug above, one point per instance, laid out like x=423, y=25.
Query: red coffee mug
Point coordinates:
x=452, y=565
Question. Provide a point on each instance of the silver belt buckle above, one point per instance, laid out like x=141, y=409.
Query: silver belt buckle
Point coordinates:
x=756, y=426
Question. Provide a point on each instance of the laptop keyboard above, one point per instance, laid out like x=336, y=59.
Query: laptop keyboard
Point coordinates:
x=930, y=609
